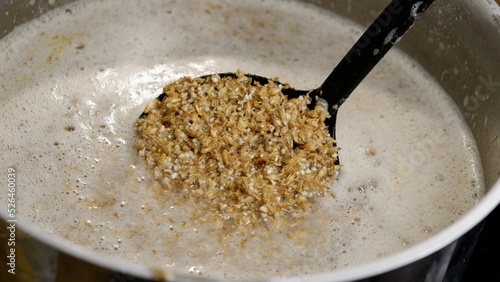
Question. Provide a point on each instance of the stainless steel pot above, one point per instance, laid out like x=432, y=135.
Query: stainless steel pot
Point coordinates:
x=457, y=42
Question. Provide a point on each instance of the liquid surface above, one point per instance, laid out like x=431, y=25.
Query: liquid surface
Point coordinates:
x=75, y=81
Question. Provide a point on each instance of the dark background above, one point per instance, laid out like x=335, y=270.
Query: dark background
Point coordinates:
x=484, y=264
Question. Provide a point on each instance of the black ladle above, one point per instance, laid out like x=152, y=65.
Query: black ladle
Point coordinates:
x=378, y=39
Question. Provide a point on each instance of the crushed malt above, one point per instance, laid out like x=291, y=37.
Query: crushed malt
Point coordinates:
x=242, y=147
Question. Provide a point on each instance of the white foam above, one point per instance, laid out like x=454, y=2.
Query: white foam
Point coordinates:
x=410, y=166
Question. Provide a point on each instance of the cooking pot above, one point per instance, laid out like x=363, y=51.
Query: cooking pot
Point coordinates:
x=457, y=42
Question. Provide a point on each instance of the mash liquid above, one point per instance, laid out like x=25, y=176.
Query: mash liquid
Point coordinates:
x=75, y=80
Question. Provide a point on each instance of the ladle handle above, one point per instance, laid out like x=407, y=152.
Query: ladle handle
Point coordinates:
x=377, y=40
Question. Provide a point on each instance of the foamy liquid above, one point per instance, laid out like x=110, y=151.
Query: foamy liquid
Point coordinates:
x=75, y=81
